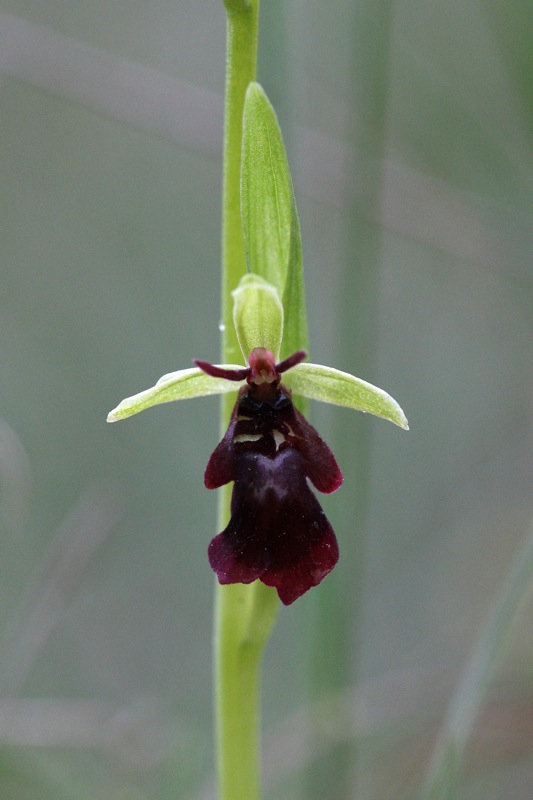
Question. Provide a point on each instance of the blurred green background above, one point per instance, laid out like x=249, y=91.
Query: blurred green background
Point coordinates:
x=408, y=128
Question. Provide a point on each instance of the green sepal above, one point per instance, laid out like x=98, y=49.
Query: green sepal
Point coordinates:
x=180, y=385
x=342, y=389
x=269, y=216
x=257, y=315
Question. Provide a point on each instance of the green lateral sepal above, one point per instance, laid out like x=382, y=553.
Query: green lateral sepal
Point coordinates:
x=180, y=385
x=342, y=389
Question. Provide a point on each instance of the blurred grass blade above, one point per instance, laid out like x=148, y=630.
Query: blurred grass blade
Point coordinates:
x=342, y=389
x=269, y=216
x=180, y=385
x=54, y=584
x=445, y=765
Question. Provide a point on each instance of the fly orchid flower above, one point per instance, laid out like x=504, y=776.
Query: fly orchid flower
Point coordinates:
x=278, y=533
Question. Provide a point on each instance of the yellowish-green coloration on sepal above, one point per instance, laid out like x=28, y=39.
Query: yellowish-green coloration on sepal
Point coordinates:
x=180, y=385
x=313, y=381
x=257, y=315
x=342, y=389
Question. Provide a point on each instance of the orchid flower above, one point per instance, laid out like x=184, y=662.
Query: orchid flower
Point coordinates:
x=278, y=533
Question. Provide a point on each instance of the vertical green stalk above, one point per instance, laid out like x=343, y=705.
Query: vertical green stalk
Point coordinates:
x=244, y=619
x=244, y=615
x=241, y=69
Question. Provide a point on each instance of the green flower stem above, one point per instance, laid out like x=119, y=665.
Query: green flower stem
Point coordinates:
x=244, y=614
x=241, y=68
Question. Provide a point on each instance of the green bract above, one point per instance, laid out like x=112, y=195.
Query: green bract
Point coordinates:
x=269, y=216
x=258, y=315
x=265, y=189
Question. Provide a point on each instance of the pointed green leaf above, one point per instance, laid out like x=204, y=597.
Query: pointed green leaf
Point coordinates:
x=265, y=190
x=270, y=219
x=180, y=385
x=342, y=389
x=258, y=315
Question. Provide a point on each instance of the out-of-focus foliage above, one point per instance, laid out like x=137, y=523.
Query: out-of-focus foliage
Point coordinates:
x=408, y=130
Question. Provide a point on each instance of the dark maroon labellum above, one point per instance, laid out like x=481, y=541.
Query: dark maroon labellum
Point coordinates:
x=278, y=532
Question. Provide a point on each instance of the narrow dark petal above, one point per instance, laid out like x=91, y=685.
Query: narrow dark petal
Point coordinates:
x=278, y=531
x=291, y=361
x=220, y=372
